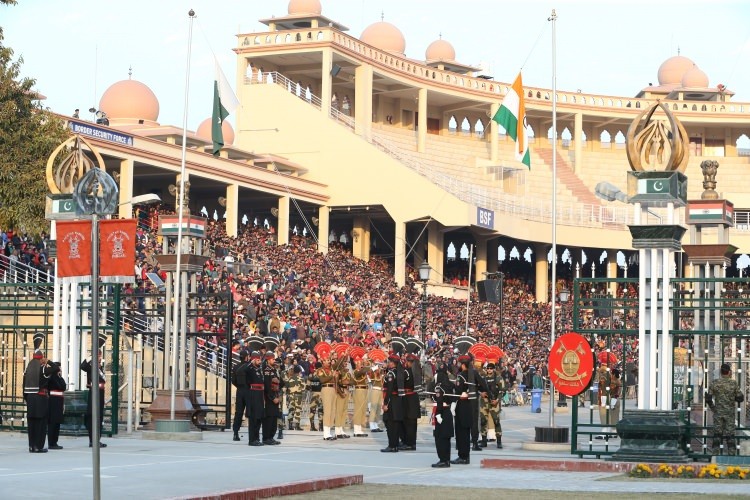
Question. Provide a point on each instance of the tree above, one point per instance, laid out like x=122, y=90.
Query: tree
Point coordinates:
x=28, y=135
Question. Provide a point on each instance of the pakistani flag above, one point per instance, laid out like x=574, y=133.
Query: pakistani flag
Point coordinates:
x=225, y=102
x=512, y=116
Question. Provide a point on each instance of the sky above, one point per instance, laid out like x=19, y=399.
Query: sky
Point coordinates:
x=76, y=49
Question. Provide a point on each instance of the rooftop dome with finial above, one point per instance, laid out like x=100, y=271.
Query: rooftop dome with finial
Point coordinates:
x=440, y=50
x=204, y=131
x=384, y=36
x=129, y=100
x=695, y=78
x=672, y=70
x=297, y=7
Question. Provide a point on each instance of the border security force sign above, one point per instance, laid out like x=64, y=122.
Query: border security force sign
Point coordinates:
x=571, y=364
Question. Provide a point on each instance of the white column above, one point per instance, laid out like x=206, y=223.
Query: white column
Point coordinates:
x=232, y=209
x=323, y=228
x=283, y=221
x=400, y=254
x=422, y=120
x=126, y=189
x=326, y=84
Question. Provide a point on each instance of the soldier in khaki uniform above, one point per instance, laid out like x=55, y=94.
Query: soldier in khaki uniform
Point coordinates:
x=376, y=398
x=344, y=383
x=295, y=393
x=328, y=398
x=315, y=406
x=359, y=419
x=490, y=406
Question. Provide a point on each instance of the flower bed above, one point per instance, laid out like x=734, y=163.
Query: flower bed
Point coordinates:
x=709, y=471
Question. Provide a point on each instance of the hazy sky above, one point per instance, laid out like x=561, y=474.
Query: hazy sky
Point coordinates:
x=77, y=48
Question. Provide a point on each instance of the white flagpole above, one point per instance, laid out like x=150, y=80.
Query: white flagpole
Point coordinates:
x=553, y=288
x=468, y=288
x=178, y=247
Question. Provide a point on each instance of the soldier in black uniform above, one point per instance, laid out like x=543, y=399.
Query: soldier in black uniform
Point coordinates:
x=36, y=395
x=393, y=401
x=411, y=407
x=57, y=388
x=241, y=400
x=272, y=391
x=464, y=412
x=442, y=416
x=88, y=368
x=256, y=398
x=477, y=385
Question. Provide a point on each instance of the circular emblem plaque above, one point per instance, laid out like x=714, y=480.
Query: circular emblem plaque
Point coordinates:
x=571, y=364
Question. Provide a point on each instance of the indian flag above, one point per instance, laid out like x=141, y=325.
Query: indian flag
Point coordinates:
x=225, y=103
x=512, y=116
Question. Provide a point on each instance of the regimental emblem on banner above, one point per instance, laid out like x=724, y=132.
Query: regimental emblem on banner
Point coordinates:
x=118, y=238
x=74, y=239
x=571, y=364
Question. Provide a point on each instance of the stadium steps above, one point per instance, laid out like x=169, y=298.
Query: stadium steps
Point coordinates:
x=567, y=176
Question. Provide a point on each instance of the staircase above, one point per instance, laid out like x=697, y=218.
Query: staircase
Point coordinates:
x=568, y=177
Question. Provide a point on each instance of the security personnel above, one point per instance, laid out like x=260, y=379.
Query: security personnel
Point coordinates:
x=465, y=416
x=393, y=405
x=256, y=399
x=344, y=383
x=476, y=385
x=36, y=394
x=722, y=397
x=328, y=398
x=242, y=397
x=359, y=419
x=442, y=416
x=90, y=385
x=295, y=391
x=375, y=377
x=57, y=386
x=412, y=410
x=272, y=392
x=490, y=410
x=316, y=404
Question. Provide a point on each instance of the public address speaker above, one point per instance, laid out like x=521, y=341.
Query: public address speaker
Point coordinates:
x=489, y=291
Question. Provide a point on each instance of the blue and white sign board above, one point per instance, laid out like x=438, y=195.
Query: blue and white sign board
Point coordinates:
x=89, y=130
x=485, y=218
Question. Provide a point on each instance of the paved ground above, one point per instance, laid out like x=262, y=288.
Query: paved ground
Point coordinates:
x=133, y=467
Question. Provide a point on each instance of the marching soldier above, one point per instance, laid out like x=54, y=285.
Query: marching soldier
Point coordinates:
x=272, y=391
x=242, y=398
x=722, y=397
x=36, y=394
x=316, y=404
x=411, y=406
x=359, y=419
x=328, y=397
x=295, y=392
x=490, y=409
x=57, y=388
x=344, y=381
x=465, y=416
x=609, y=393
x=256, y=399
x=375, y=377
x=393, y=406
x=90, y=385
x=442, y=418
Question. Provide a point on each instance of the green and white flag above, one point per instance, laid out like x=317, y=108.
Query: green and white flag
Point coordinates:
x=225, y=103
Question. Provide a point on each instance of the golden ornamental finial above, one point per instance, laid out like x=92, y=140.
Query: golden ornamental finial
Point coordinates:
x=63, y=177
x=655, y=144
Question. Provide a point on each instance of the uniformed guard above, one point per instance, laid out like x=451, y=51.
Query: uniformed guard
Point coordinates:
x=272, y=391
x=57, y=387
x=315, y=407
x=90, y=385
x=375, y=377
x=36, y=394
x=491, y=403
x=242, y=396
x=343, y=383
x=327, y=396
x=466, y=389
x=722, y=397
x=412, y=410
x=393, y=406
x=361, y=370
x=442, y=418
x=295, y=392
x=256, y=399
x=609, y=393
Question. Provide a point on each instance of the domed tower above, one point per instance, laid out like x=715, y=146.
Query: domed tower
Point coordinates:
x=694, y=78
x=671, y=71
x=204, y=131
x=385, y=36
x=440, y=54
x=130, y=102
x=302, y=14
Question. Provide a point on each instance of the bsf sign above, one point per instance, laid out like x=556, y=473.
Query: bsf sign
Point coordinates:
x=485, y=218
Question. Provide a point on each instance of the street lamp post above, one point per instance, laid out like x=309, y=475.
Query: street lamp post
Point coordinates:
x=424, y=276
x=564, y=296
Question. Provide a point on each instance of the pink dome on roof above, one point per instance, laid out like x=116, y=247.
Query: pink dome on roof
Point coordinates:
x=695, y=78
x=204, y=131
x=130, y=100
x=440, y=50
x=671, y=70
x=384, y=36
x=297, y=7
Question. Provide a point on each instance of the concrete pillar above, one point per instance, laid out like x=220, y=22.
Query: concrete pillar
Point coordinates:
x=435, y=251
x=494, y=140
x=492, y=248
x=612, y=271
x=481, y=262
x=126, y=189
x=422, y=120
x=283, y=221
x=323, y=229
x=578, y=138
x=361, y=238
x=399, y=258
x=363, y=100
x=540, y=274
x=232, y=208
x=326, y=84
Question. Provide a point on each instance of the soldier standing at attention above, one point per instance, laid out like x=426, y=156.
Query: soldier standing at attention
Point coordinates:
x=295, y=391
x=36, y=395
x=442, y=416
x=57, y=388
x=256, y=399
x=491, y=405
x=722, y=397
x=359, y=419
x=316, y=405
x=393, y=406
x=412, y=409
x=242, y=398
x=92, y=383
x=272, y=392
x=464, y=414
x=376, y=398
x=344, y=381
x=327, y=397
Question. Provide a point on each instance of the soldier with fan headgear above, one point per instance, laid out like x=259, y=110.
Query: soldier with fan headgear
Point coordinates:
x=393, y=406
x=412, y=410
x=327, y=392
x=442, y=418
x=36, y=394
x=272, y=392
x=361, y=369
x=57, y=386
x=491, y=404
x=95, y=373
x=256, y=398
x=242, y=395
x=609, y=392
x=343, y=381
x=466, y=388
x=375, y=377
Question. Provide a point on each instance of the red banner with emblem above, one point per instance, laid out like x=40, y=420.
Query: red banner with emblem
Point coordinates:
x=73, y=248
x=571, y=364
x=117, y=249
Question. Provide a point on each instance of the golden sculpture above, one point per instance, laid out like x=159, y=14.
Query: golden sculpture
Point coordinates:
x=63, y=177
x=709, y=169
x=651, y=145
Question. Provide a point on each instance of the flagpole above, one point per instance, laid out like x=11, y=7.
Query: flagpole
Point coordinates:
x=553, y=19
x=180, y=215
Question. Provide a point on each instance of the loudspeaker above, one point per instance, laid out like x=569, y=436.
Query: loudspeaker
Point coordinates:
x=489, y=291
x=335, y=69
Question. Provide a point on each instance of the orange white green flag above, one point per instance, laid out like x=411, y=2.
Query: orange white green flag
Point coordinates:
x=512, y=116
